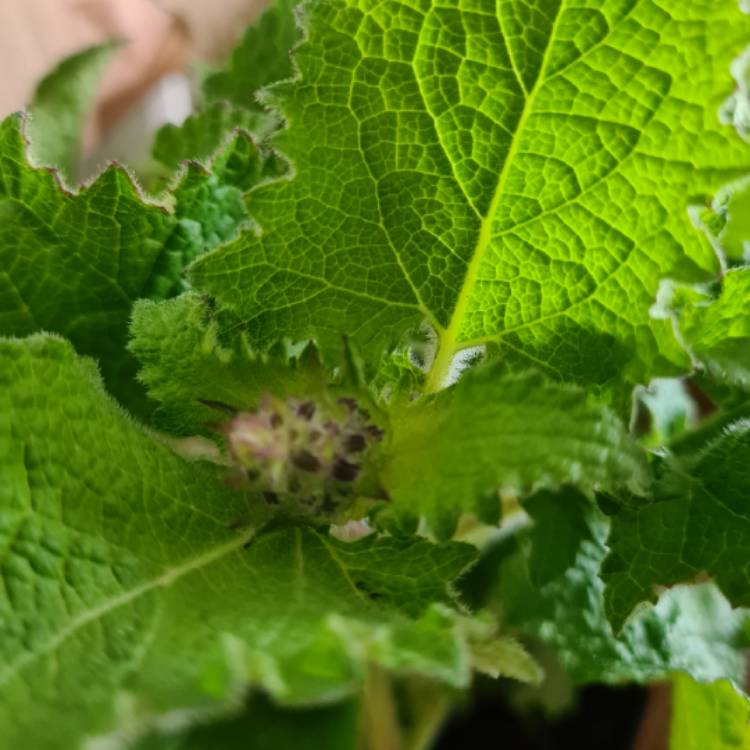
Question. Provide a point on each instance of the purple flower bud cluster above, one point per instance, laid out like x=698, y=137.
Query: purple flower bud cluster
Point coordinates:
x=301, y=449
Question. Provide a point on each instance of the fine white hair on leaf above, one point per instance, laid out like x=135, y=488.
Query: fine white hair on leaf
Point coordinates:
x=462, y=361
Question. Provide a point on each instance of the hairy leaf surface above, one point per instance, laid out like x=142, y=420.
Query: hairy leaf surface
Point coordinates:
x=261, y=57
x=518, y=176
x=185, y=363
x=228, y=96
x=202, y=134
x=513, y=433
x=132, y=589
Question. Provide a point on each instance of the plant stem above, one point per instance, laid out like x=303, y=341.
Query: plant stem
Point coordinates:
x=380, y=728
x=384, y=727
x=431, y=710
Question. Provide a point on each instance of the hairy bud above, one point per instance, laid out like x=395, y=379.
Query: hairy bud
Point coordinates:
x=301, y=449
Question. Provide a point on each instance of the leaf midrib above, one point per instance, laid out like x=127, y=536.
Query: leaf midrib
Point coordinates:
x=449, y=344
x=164, y=580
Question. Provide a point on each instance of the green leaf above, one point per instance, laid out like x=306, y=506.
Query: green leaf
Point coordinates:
x=204, y=133
x=130, y=598
x=227, y=96
x=716, y=326
x=708, y=717
x=265, y=727
x=261, y=57
x=559, y=529
x=698, y=525
x=184, y=363
x=518, y=179
x=727, y=222
x=209, y=207
x=74, y=263
x=513, y=433
x=505, y=657
x=691, y=629
x=60, y=104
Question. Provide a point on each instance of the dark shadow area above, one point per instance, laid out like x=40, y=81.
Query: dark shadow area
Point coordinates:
x=603, y=719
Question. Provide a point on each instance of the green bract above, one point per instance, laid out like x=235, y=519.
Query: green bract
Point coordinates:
x=414, y=287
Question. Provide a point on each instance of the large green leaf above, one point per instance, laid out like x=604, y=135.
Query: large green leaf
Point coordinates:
x=60, y=104
x=708, y=717
x=514, y=433
x=517, y=176
x=691, y=629
x=697, y=525
x=131, y=590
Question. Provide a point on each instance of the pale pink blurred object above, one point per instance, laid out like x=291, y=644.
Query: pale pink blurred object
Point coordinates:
x=160, y=36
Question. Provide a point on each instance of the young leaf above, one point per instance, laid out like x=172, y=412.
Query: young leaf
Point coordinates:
x=516, y=433
x=698, y=525
x=736, y=109
x=691, y=629
x=59, y=107
x=128, y=592
x=516, y=176
x=505, y=657
x=209, y=207
x=708, y=717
